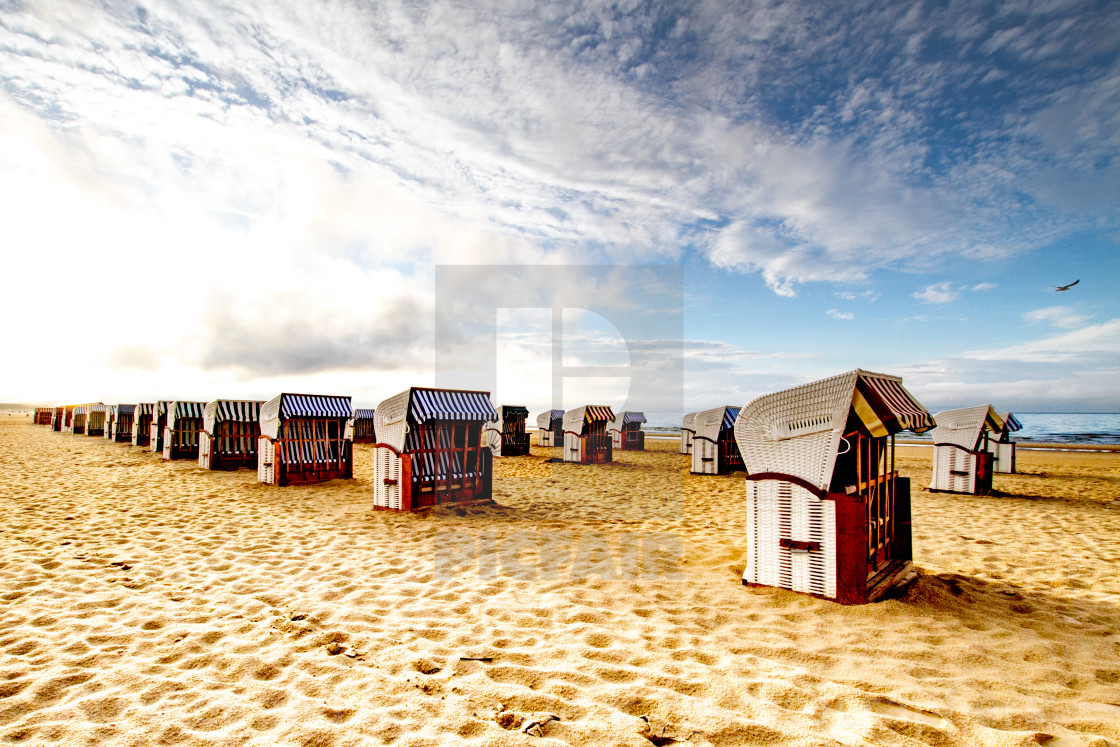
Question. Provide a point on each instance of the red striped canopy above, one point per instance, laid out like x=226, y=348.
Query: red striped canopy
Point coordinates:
x=885, y=407
x=598, y=412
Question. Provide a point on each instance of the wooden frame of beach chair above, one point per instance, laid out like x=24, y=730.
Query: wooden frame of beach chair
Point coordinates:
x=432, y=451
x=827, y=513
x=550, y=428
x=180, y=435
x=118, y=423
x=962, y=454
x=687, y=432
x=506, y=436
x=58, y=418
x=229, y=435
x=626, y=431
x=363, y=426
x=43, y=415
x=304, y=440
x=142, y=424
x=714, y=450
x=586, y=440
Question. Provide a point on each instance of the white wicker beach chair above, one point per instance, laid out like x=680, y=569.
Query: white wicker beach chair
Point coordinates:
x=962, y=457
x=826, y=512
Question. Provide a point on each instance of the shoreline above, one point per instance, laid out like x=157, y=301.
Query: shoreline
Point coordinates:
x=1020, y=445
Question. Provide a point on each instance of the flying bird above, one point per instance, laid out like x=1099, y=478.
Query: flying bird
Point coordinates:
x=1067, y=287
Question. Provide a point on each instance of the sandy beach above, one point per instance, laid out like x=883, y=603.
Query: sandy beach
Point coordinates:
x=146, y=602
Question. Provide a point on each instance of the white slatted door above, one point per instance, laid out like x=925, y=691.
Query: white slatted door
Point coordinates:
x=941, y=468
x=573, y=448
x=778, y=511
x=1004, y=461
x=962, y=472
x=704, y=456
x=387, y=486
x=266, y=461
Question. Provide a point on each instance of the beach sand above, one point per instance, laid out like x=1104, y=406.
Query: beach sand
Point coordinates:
x=145, y=602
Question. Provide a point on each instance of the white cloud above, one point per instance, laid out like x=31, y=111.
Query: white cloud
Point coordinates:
x=1081, y=344
x=836, y=314
x=980, y=287
x=305, y=165
x=870, y=295
x=561, y=132
x=1056, y=316
x=937, y=293
x=1030, y=386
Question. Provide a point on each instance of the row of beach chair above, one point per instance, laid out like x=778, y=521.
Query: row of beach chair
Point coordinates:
x=827, y=512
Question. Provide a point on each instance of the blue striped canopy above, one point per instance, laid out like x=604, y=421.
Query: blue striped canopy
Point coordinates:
x=1011, y=422
x=450, y=404
x=550, y=419
x=633, y=417
x=364, y=413
x=314, y=406
x=729, y=415
x=126, y=409
x=287, y=406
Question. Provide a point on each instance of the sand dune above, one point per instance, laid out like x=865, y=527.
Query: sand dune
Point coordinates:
x=145, y=602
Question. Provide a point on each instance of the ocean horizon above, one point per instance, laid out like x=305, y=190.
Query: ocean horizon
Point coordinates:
x=1038, y=427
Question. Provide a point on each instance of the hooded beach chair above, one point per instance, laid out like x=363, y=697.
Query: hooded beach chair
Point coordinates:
x=714, y=451
x=363, y=426
x=962, y=450
x=626, y=431
x=506, y=436
x=827, y=513
x=431, y=450
x=586, y=440
x=303, y=439
x=95, y=420
x=1003, y=448
x=118, y=423
x=180, y=435
x=550, y=428
x=230, y=431
x=142, y=423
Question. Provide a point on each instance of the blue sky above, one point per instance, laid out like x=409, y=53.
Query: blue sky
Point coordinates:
x=204, y=200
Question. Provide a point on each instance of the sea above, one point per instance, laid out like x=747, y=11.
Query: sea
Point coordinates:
x=1039, y=427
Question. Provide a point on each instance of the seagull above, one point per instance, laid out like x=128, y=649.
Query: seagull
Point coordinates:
x=1066, y=287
